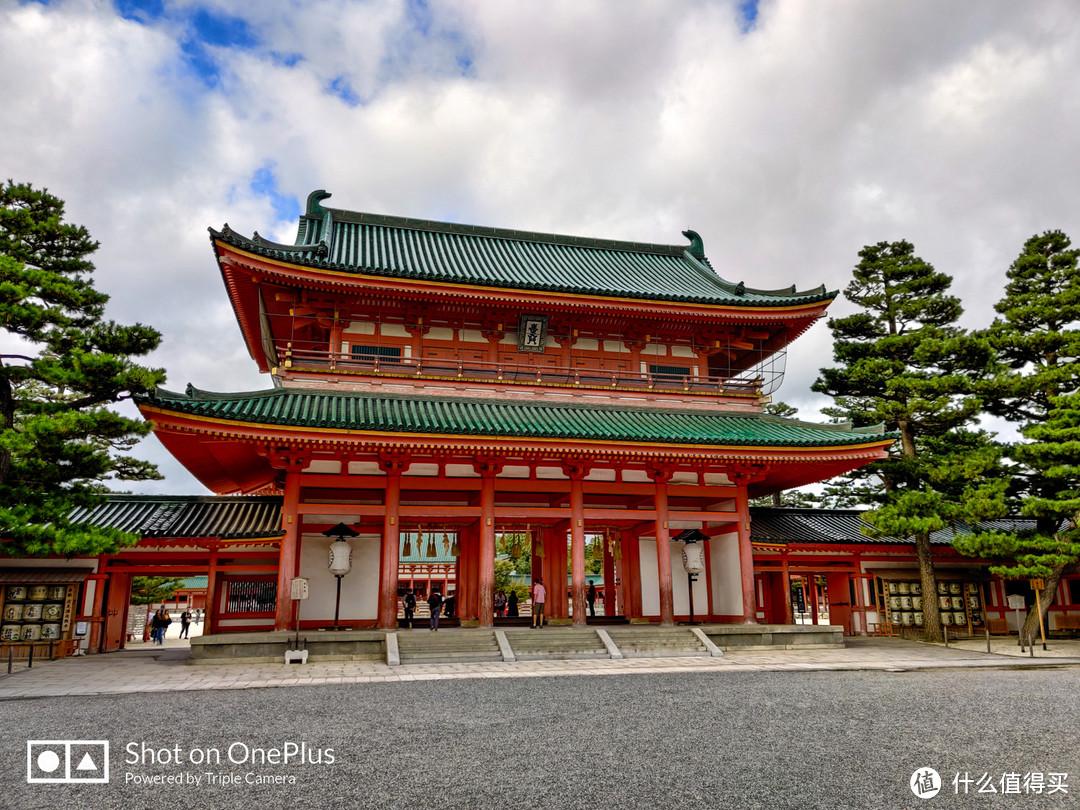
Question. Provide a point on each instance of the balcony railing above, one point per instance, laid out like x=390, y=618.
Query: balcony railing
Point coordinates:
x=762, y=381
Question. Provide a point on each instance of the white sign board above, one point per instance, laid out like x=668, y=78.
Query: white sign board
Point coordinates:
x=1016, y=601
x=299, y=589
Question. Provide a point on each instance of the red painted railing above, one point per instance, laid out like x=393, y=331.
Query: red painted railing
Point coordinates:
x=519, y=373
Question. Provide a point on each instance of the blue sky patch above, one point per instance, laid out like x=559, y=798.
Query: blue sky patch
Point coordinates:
x=222, y=30
x=264, y=184
x=341, y=88
x=748, y=13
x=140, y=11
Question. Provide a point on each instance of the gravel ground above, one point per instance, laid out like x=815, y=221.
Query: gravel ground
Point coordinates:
x=776, y=740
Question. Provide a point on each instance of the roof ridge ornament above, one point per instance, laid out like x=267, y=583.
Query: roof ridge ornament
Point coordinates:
x=697, y=246
x=314, y=209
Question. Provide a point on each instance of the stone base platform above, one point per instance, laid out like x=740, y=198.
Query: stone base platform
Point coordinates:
x=373, y=645
x=256, y=648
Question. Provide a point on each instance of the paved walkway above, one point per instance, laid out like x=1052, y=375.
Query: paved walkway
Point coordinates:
x=156, y=669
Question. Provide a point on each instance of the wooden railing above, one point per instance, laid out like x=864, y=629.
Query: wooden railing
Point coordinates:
x=522, y=374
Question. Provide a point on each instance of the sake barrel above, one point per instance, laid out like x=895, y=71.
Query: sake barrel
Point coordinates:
x=944, y=603
x=905, y=603
x=957, y=602
x=13, y=613
x=973, y=602
x=39, y=593
x=50, y=631
x=916, y=587
x=53, y=612
x=57, y=591
x=956, y=587
x=894, y=588
x=11, y=632
x=946, y=619
x=960, y=617
x=942, y=587
x=32, y=611
x=904, y=587
x=894, y=603
x=907, y=618
x=31, y=632
x=918, y=618
x=16, y=593
x=916, y=602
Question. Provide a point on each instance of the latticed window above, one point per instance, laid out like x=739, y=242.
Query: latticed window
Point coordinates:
x=251, y=597
x=669, y=373
x=373, y=352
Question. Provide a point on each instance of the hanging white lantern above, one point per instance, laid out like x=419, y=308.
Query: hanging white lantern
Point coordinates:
x=340, y=558
x=693, y=558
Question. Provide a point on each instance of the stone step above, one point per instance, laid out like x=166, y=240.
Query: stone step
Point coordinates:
x=657, y=642
x=445, y=657
x=454, y=647
x=559, y=644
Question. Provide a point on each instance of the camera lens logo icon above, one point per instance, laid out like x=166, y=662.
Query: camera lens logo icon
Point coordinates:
x=67, y=761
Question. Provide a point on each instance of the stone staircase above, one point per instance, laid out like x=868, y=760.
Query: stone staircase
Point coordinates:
x=555, y=644
x=458, y=645
x=646, y=641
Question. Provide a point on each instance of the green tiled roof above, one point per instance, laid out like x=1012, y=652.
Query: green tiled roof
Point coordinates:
x=227, y=517
x=487, y=417
x=399, y=247
x=801, y=525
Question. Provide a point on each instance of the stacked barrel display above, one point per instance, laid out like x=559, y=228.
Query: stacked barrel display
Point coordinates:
x=34, y=612
x=959, y=603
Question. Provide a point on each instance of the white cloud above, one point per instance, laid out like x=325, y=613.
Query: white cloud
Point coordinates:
x=829, y=126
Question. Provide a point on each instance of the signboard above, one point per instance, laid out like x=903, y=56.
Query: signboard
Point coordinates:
x=1037, y=584
x=138, y=617
x=299, y=588
x=1016, y=601
x=532, y=333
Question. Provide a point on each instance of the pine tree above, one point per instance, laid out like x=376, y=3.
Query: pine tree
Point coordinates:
x=905, y=363
x=61, y=367
x=1038, y=342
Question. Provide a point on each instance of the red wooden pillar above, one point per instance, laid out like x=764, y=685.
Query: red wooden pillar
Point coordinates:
x=631, y=574
x=391, y=541
x=212, y=601
x=470, y=550
x=663, y=547
x=746, y=553
x=290, y=520
x=789, y=615
x=609, y=580
x=95, y=608
x=485, y=580
x=116, y=611
x=577, y=542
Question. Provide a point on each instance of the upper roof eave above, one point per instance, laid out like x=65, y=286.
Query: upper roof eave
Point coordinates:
x=702, y=284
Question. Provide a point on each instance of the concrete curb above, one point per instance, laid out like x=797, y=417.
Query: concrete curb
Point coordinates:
x=714, y=651
x=393, y=655
x=612, y=648
x=505, y=648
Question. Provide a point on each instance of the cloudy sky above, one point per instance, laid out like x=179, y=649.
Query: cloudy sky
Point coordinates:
x=789, y=133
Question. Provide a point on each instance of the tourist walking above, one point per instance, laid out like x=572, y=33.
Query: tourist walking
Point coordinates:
x=539, y=597
x=500, y=603
x=185, y=624
x=590, y=597
x=435, y=602
x=409, y=603
x=512, y=605
x=158, y=625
